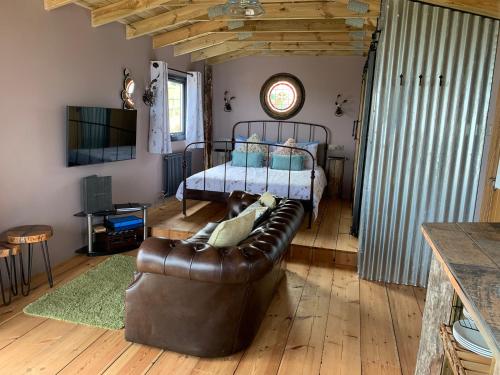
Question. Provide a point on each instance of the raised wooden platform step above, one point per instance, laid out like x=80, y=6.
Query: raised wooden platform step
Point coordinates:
x=327, y=240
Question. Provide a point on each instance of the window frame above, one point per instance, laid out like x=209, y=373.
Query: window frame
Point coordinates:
x=298, y=87
x=180, y=136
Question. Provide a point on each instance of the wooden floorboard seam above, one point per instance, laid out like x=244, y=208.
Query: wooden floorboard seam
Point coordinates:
x=83, y=351
x=313, y=284
x=393, y=317
x=105, y=369
x=88, y=346
x=327, y=318
x=24, y=334
x=152, y=363
x=293, y=320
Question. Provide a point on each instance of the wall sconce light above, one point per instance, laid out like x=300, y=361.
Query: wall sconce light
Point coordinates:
x=227, y=102
x=339, y=102
x=149, y=93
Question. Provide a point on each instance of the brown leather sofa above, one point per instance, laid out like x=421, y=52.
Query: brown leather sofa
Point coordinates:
x=195, y=299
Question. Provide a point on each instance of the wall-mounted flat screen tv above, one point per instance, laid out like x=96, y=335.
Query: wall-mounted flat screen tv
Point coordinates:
x=100, y=135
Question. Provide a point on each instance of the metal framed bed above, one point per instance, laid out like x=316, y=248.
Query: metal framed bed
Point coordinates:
x=273, y=134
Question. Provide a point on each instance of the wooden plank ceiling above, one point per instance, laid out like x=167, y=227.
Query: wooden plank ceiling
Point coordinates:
x=288, y=27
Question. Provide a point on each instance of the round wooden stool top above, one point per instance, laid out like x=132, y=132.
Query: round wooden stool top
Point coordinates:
x=29, y=234
x=7, y=249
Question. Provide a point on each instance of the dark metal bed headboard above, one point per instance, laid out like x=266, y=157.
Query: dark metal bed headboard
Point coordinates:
x=280, y=131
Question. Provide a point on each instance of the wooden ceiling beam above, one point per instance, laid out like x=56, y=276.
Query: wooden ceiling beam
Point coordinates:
x=215, y=39
x=488, y=8
x=307, y=37
x=199, y=29
x=188, y=32
x=164, y=20
x=373, y=4
x=53, y=4
x=301, y=26
x=122, y=9
x=206, y=41
x=274, y=11
x=220, y=49
x=313, y=53
x=245, y=53
x=308, y=46
x=230, y=46
x=307, y=10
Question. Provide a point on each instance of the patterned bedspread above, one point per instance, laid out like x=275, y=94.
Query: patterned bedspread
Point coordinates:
x=300, y=182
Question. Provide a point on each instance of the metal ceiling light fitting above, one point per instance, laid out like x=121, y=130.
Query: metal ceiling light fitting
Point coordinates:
x=231, y=25
x=357, y=6
x=245, y=8
x=237, y=8
x=355, y=22
x=216, y=11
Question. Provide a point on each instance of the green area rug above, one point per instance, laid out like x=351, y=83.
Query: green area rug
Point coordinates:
x=96, y=298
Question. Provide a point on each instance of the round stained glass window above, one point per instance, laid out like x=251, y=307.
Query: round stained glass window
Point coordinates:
x=282, y=96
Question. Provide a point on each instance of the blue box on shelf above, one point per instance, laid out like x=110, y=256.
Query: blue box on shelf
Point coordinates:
x=124, y=222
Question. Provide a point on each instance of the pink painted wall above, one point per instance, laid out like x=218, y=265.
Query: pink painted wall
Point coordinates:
x=323, y=79
x=49, y=60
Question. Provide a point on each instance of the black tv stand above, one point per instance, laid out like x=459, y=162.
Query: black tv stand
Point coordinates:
x=135, y=236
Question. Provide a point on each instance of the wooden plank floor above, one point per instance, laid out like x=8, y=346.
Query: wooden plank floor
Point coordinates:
x=328, y=239
x=323, y=320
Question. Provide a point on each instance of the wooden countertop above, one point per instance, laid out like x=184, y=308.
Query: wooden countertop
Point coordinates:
x=470, y=256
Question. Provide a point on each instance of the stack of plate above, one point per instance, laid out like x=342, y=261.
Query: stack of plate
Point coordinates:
x=467, y=315
x=470, y=338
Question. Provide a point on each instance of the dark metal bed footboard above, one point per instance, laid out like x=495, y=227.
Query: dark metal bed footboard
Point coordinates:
x=273, y=134
x=209, y=195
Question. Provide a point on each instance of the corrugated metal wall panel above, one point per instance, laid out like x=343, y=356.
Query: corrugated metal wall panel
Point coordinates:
x=426, y=140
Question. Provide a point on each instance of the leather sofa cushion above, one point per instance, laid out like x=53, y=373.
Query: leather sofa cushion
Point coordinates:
x=231, y=232
x=268, y=200
x=258, y=208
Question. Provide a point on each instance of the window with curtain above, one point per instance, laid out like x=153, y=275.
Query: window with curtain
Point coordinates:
x=177, y=107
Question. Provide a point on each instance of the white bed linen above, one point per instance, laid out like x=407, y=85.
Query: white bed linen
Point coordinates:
x=300, y=182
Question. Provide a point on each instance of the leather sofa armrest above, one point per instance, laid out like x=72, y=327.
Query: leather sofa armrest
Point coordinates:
x=152, y=254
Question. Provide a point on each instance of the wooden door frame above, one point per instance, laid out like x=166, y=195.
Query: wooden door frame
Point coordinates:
x=492, y=165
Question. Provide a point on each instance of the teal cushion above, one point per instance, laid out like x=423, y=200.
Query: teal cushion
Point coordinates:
x=283, y=162
x=253, y=160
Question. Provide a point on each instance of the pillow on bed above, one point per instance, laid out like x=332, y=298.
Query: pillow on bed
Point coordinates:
x=247, y=159
x=232, y=232
x=283, y=162
x=312, y=147
x=286, y=151
x=244, y=147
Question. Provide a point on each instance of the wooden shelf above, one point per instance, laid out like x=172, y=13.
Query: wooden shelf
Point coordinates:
x=463, y=361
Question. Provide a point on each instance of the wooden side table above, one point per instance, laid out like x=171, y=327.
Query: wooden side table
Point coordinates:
x=31, y=235
x=335, y=177
x=8, y=252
